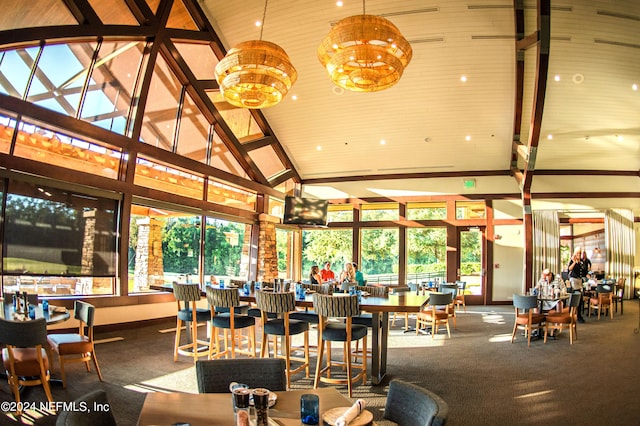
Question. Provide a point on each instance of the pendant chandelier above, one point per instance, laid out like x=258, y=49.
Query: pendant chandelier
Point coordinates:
x=365, y=53
x=255, y=74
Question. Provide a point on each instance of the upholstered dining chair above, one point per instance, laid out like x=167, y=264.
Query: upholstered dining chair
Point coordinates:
x=90, y=417
x=77, y=347
x=24, y=356
x=214, y=376
x=527, y=317
x=435, y=313
x=343, y=307
x=282, y=304
x=229, y=321
x=399, y=290
x=602, y=299
x=460, y=299
x=412, y=405
x=189, y=294
x=568, y=317
x=453, y=289
x=367, y=318
x=618, y=295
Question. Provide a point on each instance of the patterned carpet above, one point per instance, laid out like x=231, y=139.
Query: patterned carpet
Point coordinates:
x=484, y=378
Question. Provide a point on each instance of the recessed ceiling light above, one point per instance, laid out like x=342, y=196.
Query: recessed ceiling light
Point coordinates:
x=578, y=78
x=550, y=136
x=427, y=139
x=556, y=78
x=294, y=97
x=337, y=90
x=382, y=142
x=467, y=138
x=318, y=148
x=620, y=138
x=339, y=3
x=258, y=24
x=463, y=79
x=634, y=86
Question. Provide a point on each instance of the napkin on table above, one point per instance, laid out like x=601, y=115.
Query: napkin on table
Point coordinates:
x=351, y=413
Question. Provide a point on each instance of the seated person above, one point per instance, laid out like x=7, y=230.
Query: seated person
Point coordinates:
x=213, y=280
x=326, y=273
x=314, y=275
x=359, y=276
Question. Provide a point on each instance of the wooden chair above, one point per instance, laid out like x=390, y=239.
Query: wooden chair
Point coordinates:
x=77, y=347
x=398, y=290
x=566, y=318
x=527, y=317
x=24, y=356
x=409, y=404
x=281, y=304
x=344, y=307
x=602, y=300
x=618, y=295
x=460, y=299
x=230, y=321
x=367, y=319
x=189, y=294
x=433, y=316
x=453, y=289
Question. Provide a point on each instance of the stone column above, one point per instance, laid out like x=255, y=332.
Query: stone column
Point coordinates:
x=267, y=249
x=149, y=266
x=96, y=240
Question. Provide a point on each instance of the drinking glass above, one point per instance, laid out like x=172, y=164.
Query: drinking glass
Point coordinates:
x=247, y=289
x=309, y=409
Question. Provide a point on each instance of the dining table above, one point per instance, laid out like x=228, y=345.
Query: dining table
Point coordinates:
x=378, y=307
x=53, y=315
x=217, y=408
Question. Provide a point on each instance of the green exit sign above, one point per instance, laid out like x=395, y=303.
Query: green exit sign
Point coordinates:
x=469, y=184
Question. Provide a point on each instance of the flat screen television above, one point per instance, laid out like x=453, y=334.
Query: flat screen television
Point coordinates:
x=305, y=211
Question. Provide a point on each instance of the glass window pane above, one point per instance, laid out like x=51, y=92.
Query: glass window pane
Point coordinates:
x=285, y=247
x=267, y=161
x=7, y=127
x=108, y=97
x=239, y=120
x=59, y=88
x=113, y=12
x=470, y=210
x=159, y=124
x=226, y=250
x=15, y=68
x=30, y=15
x=379, y=254
x=164, y=246
x=180, y=18
x=322, y=245
x=379, y=211
x=276, y=207
x=194, y=132
x=221, y=193
x=426, y=254
x=200, y=58
x=169, y=179
x=426, y=211
x=40, y=144
x=340, y=213
x=222, y=159
x=61, y=234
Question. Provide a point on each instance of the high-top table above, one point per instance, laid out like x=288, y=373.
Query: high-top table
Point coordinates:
x=379, y=307
x=217, y=408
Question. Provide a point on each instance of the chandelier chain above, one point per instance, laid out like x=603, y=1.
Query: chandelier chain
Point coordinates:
x=264, y=15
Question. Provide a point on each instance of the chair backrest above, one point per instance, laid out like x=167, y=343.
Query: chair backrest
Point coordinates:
x=411, y=405
x=23, y=334
x=525, y=302
x=223, y=297
x=439, y=299
x=449, y=288
x=604, y=288
x=90, y=417
x=84, y=312
x=214, y=376
x=462, y=285
x=186, y=292
x=275, y=303
x=403, y=289
x=319, y=288
x=376, y=290
x=336, y=306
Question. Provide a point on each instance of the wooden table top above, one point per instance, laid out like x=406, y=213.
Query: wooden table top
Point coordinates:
x=51, y=317
x=216, y=408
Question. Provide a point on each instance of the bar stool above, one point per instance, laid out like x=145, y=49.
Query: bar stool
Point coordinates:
x=228, y=299
x=189, y=294
x=282, y=304
x=339, y=307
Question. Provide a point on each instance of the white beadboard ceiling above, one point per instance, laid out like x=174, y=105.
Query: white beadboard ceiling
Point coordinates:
x=592, y=112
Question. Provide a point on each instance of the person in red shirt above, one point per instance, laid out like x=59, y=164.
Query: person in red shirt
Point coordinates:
x=326, y=273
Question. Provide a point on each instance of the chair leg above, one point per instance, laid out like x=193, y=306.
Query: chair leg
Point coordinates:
x=287, y=357
x=316, y=379
x=95, y=363
x=63, y=375
x=306, y=352
x=177, y=344
x=348, y=359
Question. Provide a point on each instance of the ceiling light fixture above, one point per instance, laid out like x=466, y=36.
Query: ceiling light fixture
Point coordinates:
x=365, y=53
x=255, y=74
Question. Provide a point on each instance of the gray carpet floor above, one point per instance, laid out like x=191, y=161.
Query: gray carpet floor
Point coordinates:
x=485, y=379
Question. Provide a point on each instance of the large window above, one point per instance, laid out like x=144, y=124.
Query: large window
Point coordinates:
x=327, y=245
x=427, y=211
x=379, y=211
x=379, y=255
x=226, y=249
x=426, y=253
x=285, y=247
x=58, y=241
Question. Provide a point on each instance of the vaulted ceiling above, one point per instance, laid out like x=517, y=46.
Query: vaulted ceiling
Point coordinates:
x=438, y=129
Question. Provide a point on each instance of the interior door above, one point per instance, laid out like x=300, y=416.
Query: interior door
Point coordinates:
x=472, y=263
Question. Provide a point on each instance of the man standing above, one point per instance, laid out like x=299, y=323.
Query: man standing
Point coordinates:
x=575, y=277
x=326, y=273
